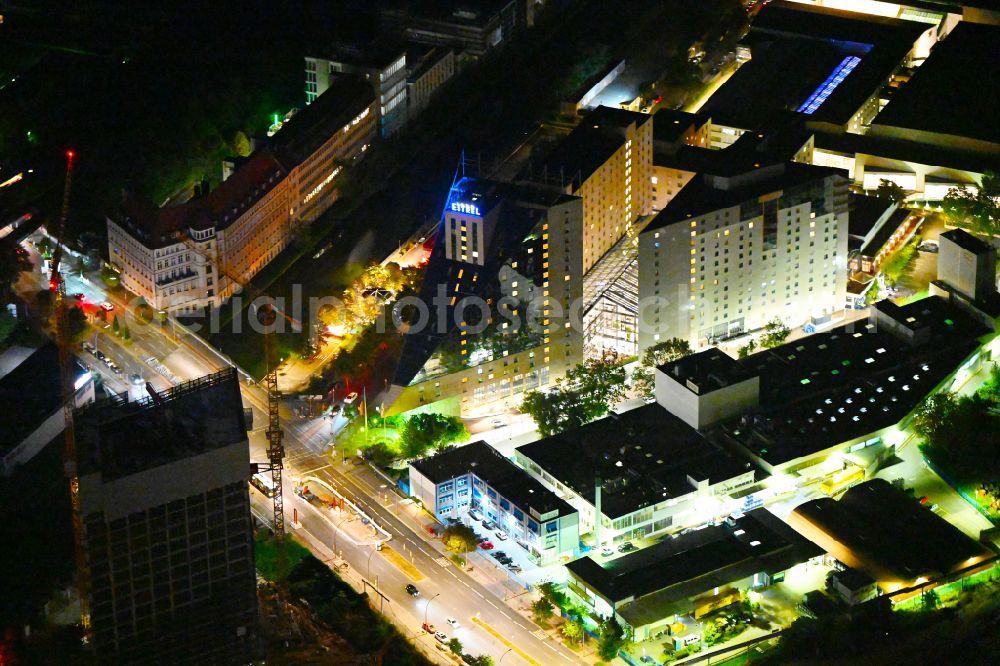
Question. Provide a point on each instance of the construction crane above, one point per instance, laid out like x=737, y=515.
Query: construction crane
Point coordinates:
x=268, y=315
x=60, y=316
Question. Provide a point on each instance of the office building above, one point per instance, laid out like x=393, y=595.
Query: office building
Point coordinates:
x=477, y=478
x=382, y=65
x=171, y=256
x=514, y=248
x=167, y=531
x=474, y=27
x=692, y=575
x=732, y=252
x=429, y=68
x=642, y=473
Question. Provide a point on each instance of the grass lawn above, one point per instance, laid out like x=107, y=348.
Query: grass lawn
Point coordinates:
x=266, y=555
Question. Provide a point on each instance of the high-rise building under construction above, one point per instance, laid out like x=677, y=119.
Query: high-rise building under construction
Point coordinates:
x=166, y=513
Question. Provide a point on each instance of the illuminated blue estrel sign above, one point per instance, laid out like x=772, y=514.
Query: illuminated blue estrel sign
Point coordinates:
x=460, y=207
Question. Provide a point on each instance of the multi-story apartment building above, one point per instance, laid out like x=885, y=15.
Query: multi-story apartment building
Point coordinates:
x=166, y=514
x=495, y=240
x=172, y=256
x=383, y=65
x=607, y=161
x=731, y=253
x=476, y=480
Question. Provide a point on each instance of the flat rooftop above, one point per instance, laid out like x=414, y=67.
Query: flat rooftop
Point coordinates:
x=40, y=371
x=706, y=371
x=905, y=151
x=589, y=145
x=832, y=387
x=643, y=456
x=967, y=241
x=708, y=193
x=891, y=533
x=796, y=48
x=951, y=82
x=117, y=437
x=687, y=566
x=487, y=463
x=865, y=212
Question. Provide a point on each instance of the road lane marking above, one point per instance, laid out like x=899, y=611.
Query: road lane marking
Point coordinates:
x=313, y=471
x=503, y=639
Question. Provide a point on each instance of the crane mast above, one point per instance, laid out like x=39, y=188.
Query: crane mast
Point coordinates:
x=61, y=326
x=268, y=315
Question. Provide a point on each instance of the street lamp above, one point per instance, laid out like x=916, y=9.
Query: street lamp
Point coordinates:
x=509, y=650
x=374, y=550
x=429, y=605
x=336, y=530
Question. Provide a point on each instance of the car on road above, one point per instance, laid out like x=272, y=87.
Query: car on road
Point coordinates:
x=453, y=622
x=475, y=515
x=928, y=246
x=924, y=499
x=498, y=423
x=88, y=347
x=468, y=658
x=412, y=590
x=107, y=307
x=78, y=297
x=487, y=525
x=514, y=568
x=350, y=398
x=496, y=555
x=627, y=547
x=486, y=545
x=607, y=551
x=441, y=636
x=99, y=355
x=501, y=536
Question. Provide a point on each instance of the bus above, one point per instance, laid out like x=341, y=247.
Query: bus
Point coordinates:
x=264, y=483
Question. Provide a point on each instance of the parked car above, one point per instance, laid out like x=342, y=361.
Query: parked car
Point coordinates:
x=107, y=307
x=514, y=568
x=501, y=536
x=453, y=622
x=498, y=423
x=627, y=547
x=487, y=525
x=78, y=297
x=924, y=499
x=441, y=636
x=350, y=398
x=498, y=554
x=89, y=348
x=607, y=551
x=475, y=515
x=412, y=590
x=486, y=545
x=99, y=355
x=468, y=658
x=928, y=246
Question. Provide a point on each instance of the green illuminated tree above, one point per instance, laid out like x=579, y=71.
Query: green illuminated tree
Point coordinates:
x=459, y=538
x=747, y=349
x=611, y=639
x=978, y=212
x=775, y=333
x=542, y=610
x=890, y=191
x=662, y=352
x=455, y=646
x=572, y=630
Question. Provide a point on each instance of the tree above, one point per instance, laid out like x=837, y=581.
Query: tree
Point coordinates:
x=76, y=322
x=933, y=413
x=572, y=630
x=241, y=144
x=980, y=211
x=380, y=455
x=459, y=538
x=666, y=352
x=482, y=660
x=455, y=646
x=711, y=635
x=611, y=639
x=14, y=260
x=115, y=326
x=422, y=432
x=555, y=410
x=126, y=333
x=747, y=349
x=543, y=610
x=662, y=352
x=775, y=333
x=890, y=191
x=588, y=392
